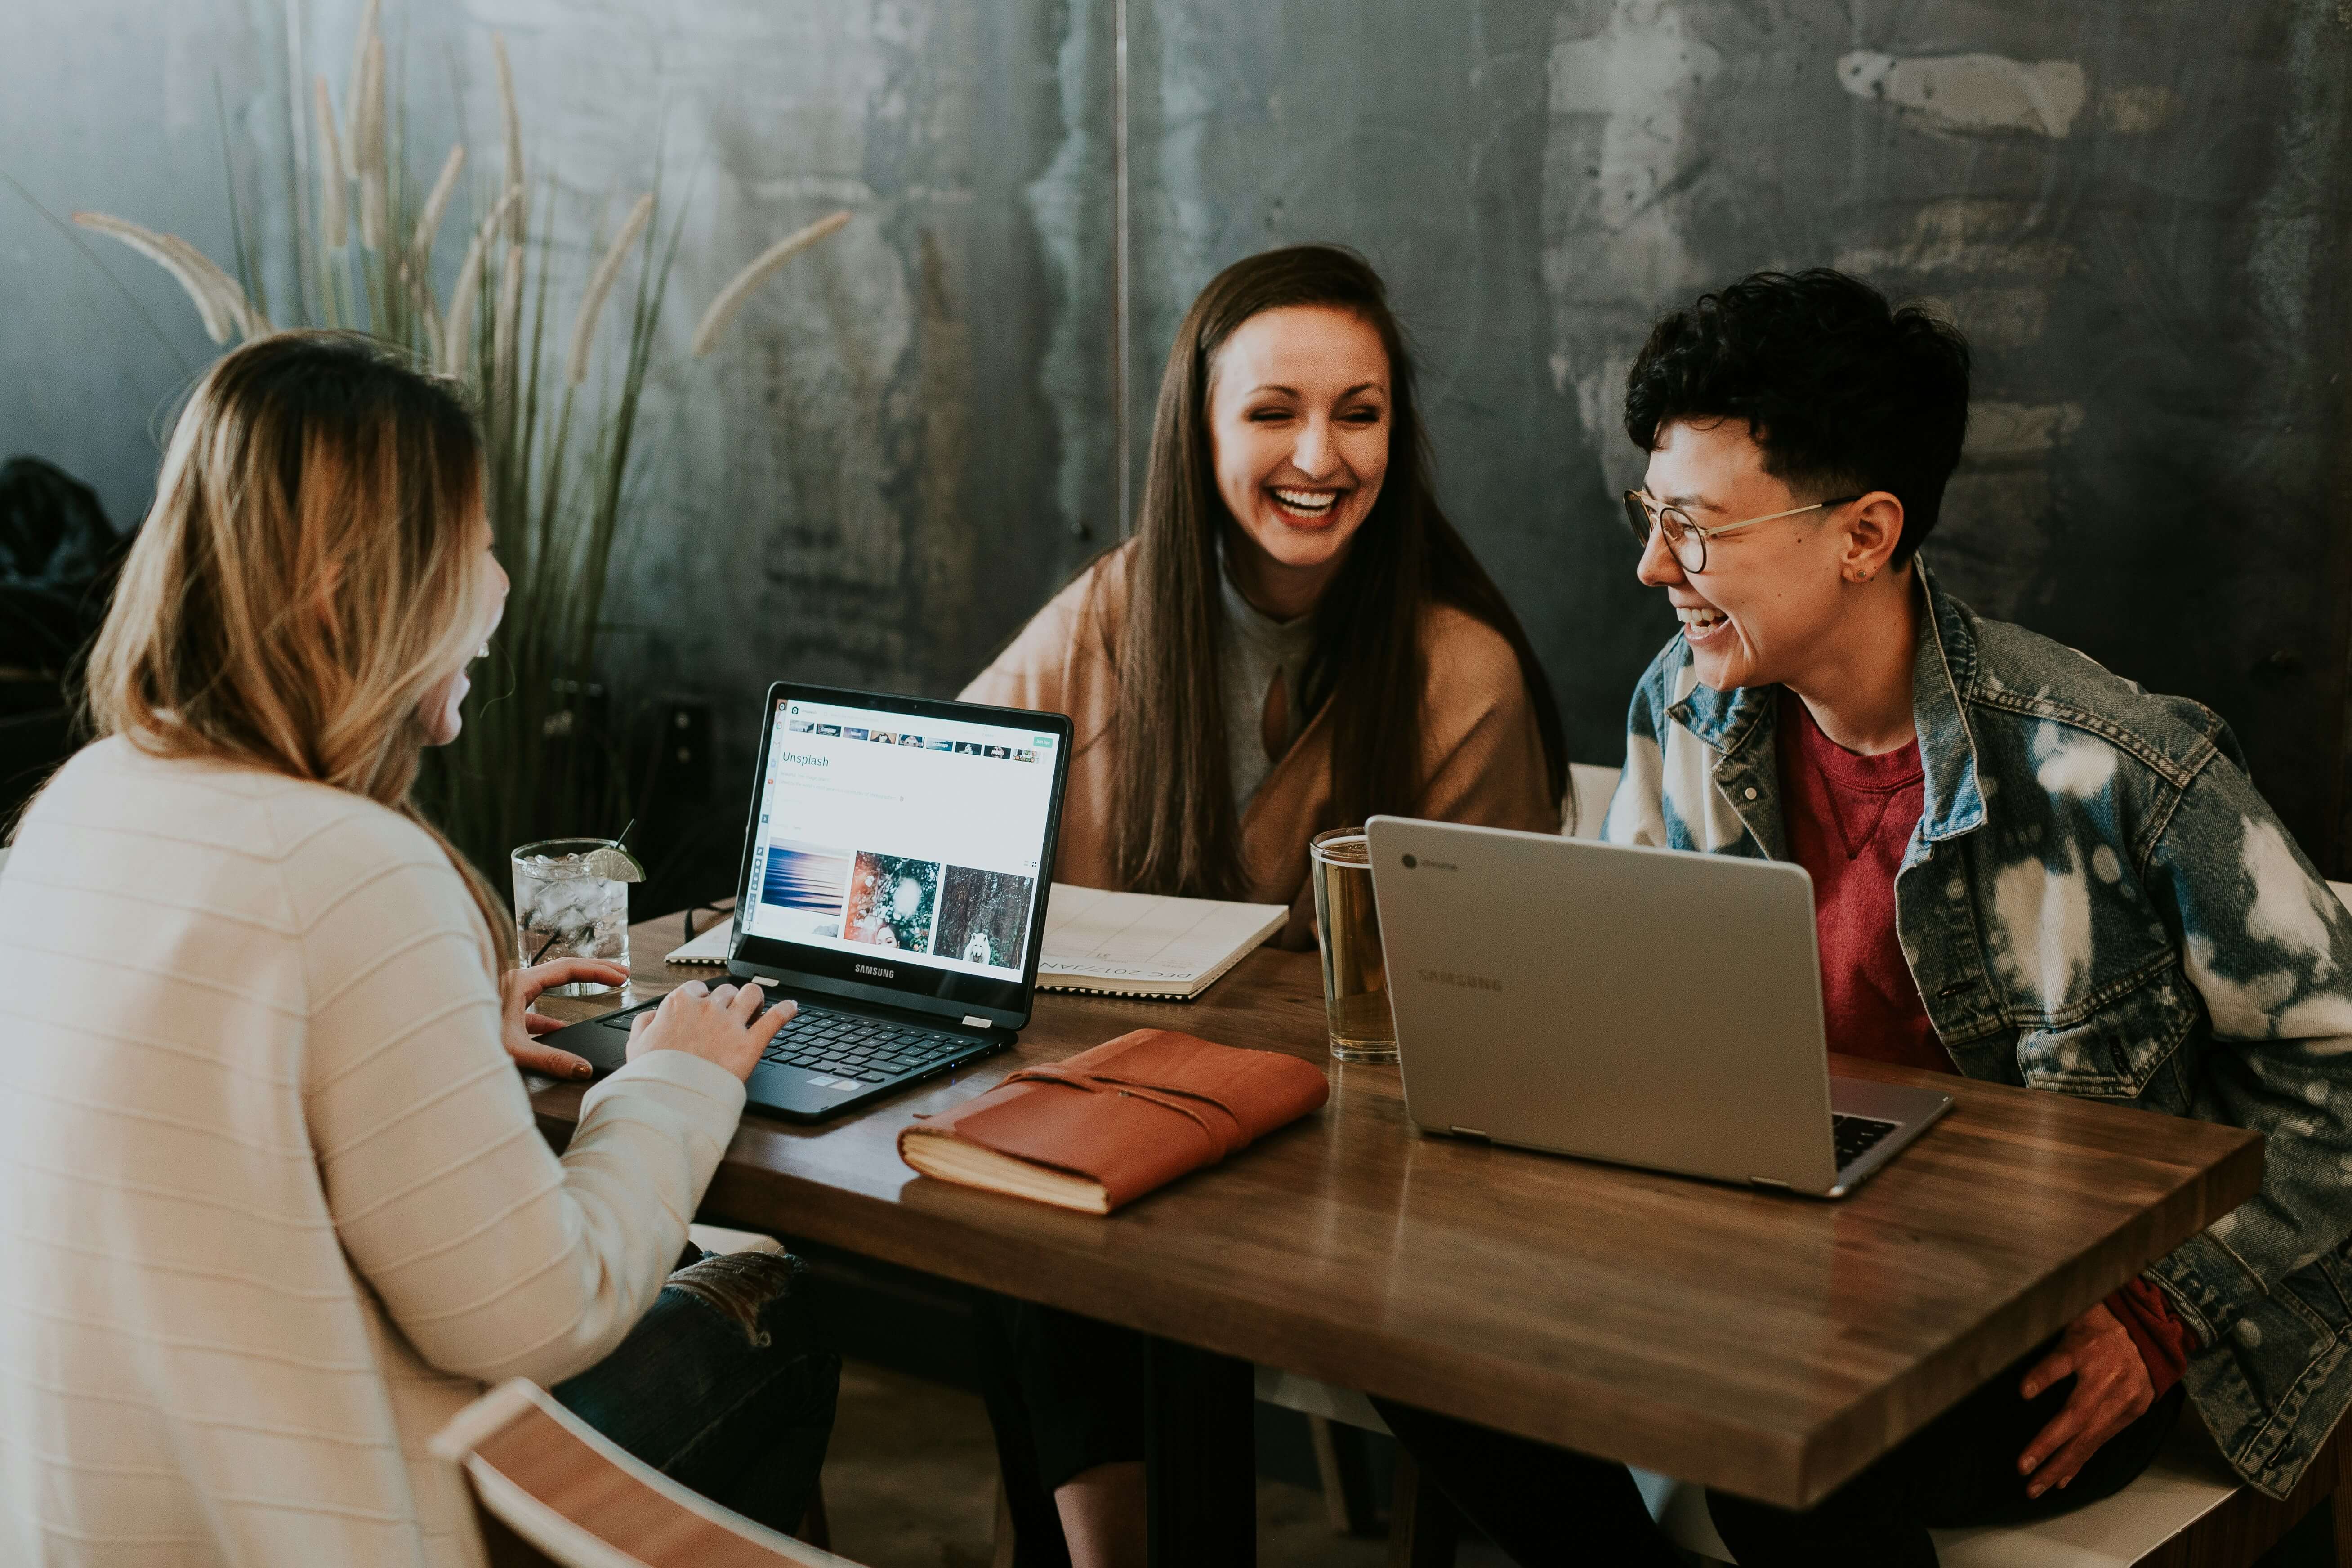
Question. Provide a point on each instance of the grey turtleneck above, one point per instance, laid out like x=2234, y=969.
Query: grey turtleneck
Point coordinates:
x=1252, y=650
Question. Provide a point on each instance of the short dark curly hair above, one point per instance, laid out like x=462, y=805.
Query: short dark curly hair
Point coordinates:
x=1843, y=393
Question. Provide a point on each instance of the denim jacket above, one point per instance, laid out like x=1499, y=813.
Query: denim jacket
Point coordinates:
x=2097, y=902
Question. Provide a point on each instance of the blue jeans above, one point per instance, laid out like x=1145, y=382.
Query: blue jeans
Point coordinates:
x=723, y=1388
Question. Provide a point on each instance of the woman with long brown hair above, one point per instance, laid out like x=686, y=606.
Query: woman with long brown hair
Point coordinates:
x=275, y=1200
x=1295, y=639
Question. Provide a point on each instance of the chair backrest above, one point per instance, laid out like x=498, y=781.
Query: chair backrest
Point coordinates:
x=550, y=1488
x=1589, y=790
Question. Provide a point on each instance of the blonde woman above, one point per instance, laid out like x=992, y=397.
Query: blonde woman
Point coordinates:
x=273, y=1202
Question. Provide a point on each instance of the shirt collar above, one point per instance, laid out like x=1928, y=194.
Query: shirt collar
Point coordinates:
x=1942, y=670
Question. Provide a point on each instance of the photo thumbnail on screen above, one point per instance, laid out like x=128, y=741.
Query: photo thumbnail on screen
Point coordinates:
x=893, y=902
x=985, y=916
x=809, y=884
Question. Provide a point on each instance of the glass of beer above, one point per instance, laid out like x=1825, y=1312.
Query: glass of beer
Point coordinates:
x=1348, y=929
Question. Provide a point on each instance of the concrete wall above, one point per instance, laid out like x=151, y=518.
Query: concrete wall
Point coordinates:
x=2133, y=207
x=909, y=440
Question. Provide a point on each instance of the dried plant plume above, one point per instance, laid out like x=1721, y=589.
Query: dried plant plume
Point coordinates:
x=600, y=283
x=505, y=327
x=219, y=302
x=730, y=298
x=333, y=226
x=367, y=149
x=428, y=221
x=513, y=121
x=459, y=329
x=368, y=29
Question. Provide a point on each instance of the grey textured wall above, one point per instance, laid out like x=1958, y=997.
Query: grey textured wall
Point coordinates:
x=2133, y=206
x=109, y=104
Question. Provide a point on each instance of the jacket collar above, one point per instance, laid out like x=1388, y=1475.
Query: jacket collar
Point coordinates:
x=1943, y=671
x=1943, y=674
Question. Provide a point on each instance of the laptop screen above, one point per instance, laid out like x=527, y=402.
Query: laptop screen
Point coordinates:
x=900, y=842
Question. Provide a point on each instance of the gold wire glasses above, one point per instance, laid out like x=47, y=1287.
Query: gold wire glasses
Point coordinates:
x=1687, y=538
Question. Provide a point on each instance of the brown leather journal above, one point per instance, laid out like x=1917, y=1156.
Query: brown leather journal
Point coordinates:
x=1112, y=1123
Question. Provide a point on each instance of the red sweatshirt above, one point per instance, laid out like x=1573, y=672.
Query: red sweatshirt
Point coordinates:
x=1849, y=820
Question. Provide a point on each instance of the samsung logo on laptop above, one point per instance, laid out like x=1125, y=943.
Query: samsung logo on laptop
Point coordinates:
x=879, y=972
x=1455, y=977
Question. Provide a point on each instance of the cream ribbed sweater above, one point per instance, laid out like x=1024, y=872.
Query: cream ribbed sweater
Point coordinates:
x=272, y=1204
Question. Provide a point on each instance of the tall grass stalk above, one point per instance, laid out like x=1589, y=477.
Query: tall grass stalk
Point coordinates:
x=536, y=759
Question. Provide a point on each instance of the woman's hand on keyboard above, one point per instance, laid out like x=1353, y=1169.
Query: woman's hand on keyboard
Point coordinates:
x=519, y=988
x=716, y=1025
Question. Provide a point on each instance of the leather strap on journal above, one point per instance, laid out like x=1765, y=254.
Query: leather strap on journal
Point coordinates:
x=1136, y=1112
x=1224, y=1133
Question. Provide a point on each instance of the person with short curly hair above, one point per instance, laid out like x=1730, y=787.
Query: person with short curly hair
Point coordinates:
x=2025, y=870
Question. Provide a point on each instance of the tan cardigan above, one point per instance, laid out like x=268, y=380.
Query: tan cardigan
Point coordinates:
x=1481, y=751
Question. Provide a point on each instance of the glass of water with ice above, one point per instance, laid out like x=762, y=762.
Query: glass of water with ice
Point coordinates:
x=572, y=901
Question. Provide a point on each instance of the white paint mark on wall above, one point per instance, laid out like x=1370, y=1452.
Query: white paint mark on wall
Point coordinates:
x=1637, y=71
x=1966, y=233
x=2135, y=111
x=1970, y=94
x=2286, y=908
x=1620, y=158
x=2020, y=429
x=2042, y=926
x=2002, y=317
x=1600, y=393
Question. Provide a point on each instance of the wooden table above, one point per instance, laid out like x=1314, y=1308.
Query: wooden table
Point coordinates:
x=1768, y=1344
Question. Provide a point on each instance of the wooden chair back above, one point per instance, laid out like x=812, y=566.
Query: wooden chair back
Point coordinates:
x=549, y=1489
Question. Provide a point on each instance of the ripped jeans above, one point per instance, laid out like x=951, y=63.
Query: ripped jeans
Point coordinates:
x=723, y=1388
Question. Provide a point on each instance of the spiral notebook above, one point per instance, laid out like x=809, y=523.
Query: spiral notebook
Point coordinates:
x=1111, y=944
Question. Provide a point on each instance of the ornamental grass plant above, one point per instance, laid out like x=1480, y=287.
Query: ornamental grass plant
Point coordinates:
x=537, y=757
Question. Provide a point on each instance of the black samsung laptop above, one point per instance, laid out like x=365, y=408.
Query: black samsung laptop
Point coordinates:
x=894, y=881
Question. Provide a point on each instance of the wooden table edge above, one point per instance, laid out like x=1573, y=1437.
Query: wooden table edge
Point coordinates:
x=1788, y=1468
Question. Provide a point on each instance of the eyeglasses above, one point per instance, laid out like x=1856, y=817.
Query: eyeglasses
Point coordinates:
x=1687, y=538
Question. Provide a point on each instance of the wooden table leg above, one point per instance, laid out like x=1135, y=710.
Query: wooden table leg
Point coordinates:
x=1200, y=1457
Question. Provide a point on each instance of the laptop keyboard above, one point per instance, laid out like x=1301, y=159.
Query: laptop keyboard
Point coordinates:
x=848, y=1045
x=870, y=1050
x=1857, y=1136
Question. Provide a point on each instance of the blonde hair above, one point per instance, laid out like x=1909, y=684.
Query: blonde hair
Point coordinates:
x=307, y=574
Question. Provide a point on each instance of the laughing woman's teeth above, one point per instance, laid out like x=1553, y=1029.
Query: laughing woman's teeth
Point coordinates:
x=1309, y=503
x=1700, y=618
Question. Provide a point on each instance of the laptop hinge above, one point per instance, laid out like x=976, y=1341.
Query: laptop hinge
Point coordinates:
x=1767, y=1181
x=1469, y=1132
x=975, y=1021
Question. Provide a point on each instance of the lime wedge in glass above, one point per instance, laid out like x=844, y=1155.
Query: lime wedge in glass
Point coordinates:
x=614, y=864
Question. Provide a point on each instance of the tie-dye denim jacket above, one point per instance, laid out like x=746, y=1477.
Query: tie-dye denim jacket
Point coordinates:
x=2097, y=902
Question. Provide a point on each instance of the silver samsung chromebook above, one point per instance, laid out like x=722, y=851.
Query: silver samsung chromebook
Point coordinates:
x=1649, y=1008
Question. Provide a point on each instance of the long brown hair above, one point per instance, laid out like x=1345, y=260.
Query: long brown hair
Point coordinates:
x=308, y=572
x=1176, y=827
